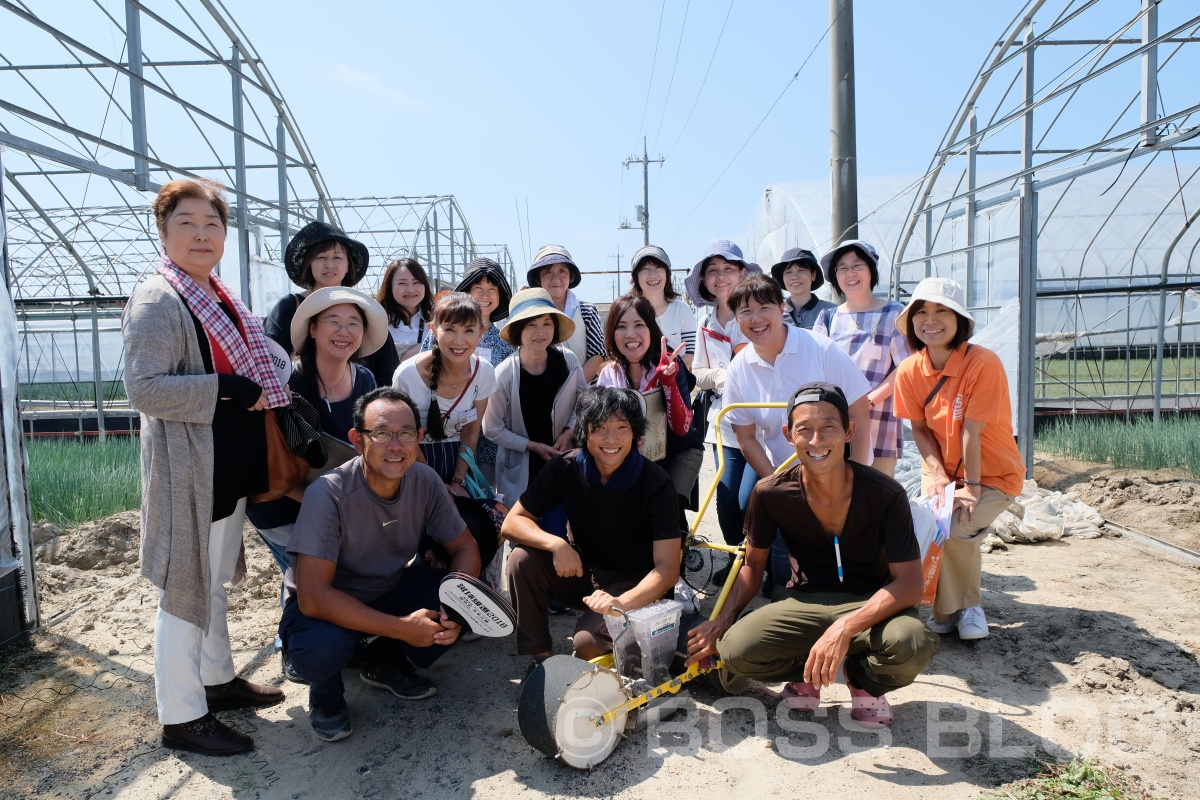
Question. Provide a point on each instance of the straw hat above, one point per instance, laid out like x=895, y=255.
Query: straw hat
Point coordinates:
x=373, y=315
x=938, y=290
x=529, y=303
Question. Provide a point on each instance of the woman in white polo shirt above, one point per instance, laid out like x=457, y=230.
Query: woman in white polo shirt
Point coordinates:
x=780, y=359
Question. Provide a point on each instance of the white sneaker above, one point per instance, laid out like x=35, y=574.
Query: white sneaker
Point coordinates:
x=972, y=624
x=942, y=628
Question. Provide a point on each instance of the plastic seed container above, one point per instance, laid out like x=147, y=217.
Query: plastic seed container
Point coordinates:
x=647, y=651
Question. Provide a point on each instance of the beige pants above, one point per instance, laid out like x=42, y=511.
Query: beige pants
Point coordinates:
x=962, y=565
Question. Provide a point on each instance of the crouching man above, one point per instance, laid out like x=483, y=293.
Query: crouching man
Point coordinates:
x=354, y=573
x=856, y=574
x=622, y=512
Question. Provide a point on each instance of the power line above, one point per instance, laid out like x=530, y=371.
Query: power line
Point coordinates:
x=674, y=64
x=521, y=231
x=787, y=86
x=653, y=62
x=528, y=234
x=704, y=80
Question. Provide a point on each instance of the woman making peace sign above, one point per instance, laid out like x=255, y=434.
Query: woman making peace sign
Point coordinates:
x=642, y=361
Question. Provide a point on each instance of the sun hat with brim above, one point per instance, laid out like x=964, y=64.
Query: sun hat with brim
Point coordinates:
x=806, y=258
x=649, y=251
x=373, y=315
x=944, y=291
x=315, y=233
x=548, y=255
x=726, y=250
x=529, y=303
x=830, y=259
x=482, y=268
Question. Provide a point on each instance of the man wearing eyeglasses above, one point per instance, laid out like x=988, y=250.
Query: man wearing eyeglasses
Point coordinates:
x=355, y=572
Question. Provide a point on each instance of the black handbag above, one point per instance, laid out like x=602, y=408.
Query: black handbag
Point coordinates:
x=700, y=405
x=301, y=427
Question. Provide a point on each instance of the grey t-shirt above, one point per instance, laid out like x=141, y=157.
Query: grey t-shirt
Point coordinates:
x=369, y=538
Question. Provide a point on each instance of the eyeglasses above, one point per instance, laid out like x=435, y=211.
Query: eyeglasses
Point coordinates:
x=846, y=270
x=382, y=436
x=348, y=327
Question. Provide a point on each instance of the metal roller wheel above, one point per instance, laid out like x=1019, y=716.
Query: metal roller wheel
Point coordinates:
x=559, y=703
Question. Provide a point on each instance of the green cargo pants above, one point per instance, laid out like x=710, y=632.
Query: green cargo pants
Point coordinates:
x=773, y=642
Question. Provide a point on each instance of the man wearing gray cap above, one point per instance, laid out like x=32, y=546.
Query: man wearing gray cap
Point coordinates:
x=856, y=575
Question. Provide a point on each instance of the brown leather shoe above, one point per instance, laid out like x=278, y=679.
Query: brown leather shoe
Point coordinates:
x=240, y=693
x=207, y=736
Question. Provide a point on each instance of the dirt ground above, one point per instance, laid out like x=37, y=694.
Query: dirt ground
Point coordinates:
x=1093, y=650
x=1162, y=503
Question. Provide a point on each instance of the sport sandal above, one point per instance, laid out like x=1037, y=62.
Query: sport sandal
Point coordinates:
x=801, y=696
x=868, y=710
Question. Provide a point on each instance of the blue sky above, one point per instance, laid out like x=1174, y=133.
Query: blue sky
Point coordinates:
x=503, y=103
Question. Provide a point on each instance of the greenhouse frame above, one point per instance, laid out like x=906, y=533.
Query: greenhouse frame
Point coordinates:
x=97, y=111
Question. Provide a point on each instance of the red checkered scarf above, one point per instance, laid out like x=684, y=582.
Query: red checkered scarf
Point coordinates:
x=249, y=357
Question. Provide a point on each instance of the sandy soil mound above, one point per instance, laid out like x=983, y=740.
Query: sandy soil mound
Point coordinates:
x=1163, y=503
x=111, y=542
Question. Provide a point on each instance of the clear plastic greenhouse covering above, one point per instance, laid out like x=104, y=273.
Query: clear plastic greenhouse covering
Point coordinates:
x=1099, y=230
x=18, y=597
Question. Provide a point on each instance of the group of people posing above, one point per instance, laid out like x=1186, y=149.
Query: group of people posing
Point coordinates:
x=458, y=420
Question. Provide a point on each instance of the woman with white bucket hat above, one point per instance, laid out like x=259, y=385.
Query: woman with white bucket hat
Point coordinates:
x=956, y=396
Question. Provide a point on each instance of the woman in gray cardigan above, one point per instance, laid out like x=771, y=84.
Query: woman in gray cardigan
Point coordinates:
x=530, y=415
x=198, y=368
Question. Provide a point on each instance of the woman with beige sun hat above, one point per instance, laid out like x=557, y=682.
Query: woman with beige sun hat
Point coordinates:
x=531, y=414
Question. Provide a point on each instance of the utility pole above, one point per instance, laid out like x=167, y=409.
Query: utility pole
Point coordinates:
x=643, y=211
x=843, y=166
x=617, y=271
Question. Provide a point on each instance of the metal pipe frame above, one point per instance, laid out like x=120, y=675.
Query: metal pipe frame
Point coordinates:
x=969, y=173
x=48, y=133
x=77, y=188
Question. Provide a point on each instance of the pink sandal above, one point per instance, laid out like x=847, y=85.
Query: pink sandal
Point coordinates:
x=801, y=696
x=868, y=710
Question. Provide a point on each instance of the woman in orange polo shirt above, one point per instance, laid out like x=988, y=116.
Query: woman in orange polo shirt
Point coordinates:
x=956, y=396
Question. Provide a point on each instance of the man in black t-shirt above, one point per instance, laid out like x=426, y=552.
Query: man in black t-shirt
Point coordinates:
x=621, y=508
x=856, y=574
